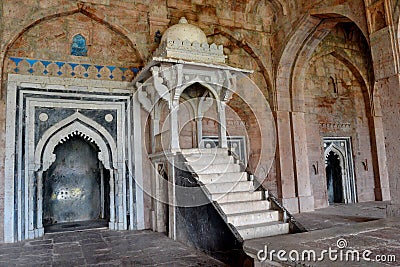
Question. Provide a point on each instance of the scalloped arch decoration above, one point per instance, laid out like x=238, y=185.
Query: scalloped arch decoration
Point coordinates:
x=69, y=127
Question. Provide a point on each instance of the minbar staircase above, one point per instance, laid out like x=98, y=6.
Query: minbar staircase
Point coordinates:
x=246, y=210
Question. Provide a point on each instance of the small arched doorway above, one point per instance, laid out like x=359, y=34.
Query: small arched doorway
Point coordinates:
x=334, y=178
x=339, y=170
x=75, y=187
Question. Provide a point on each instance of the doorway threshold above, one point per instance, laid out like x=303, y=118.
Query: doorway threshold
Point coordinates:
x=76, y=226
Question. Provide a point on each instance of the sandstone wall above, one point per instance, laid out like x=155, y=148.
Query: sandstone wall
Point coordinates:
x=256, y=35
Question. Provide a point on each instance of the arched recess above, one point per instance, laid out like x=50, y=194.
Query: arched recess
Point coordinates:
x=356, y=64
x=280, y=6
x=373, y=110
x=294, y=59
x=76, y=124
x=195, y=101
x=294, y=175
x=43, y=156
x=65, y=11
x=365, y=85
x=348, y=180
x=335, y=149
x=342, y=161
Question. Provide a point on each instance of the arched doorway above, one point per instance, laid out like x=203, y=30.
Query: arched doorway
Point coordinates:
x=334, y=178
x=75, y=191
x=339, y=170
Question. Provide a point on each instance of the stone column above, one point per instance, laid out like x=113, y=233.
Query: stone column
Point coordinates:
x=382, y=189
x=171, y=198
x=387, y=84
x=223, y=140
x=39, y=210
x=285, y=168
x=302, y=173
x=155, y=126
x=174, y=126
x=112, y=201
x=199, y=130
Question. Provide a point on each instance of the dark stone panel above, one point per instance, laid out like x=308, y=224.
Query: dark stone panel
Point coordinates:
x=201, y=226
x=99, y=117
x=55, y=115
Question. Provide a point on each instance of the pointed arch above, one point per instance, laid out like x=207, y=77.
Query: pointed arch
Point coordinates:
x=205, y=85
x=335, y=149
x=76, y=124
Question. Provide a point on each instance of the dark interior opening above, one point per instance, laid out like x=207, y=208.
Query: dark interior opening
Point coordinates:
x=334, y=179
x=76, y=188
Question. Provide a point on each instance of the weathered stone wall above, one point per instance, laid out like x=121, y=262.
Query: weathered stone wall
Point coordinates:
x=256, y=35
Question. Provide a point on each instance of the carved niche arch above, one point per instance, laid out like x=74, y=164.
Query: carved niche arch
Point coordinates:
x=75, y=125
x=348, y=182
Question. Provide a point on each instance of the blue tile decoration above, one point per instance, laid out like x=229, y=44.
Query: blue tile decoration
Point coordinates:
x=73, y=65
x=79, y=47
x=16, y=60
x=99, y=68
x=45, y=63
x=135, y=70
x=77, y=70
x=31, y=62
x=86, y=66
x=60, y=64
x=111, y=68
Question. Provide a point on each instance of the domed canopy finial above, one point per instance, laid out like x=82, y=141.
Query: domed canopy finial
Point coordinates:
x=188, y=42
x=184, y=31
x=183, y=20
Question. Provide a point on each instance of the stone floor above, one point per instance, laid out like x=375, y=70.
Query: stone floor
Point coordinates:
x=102, y=247
x=342, y=215
x=345, y=228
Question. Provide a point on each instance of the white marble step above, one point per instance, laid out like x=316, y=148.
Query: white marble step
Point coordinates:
x=255, y=217
x=245, y=206
x=218, y=188
x=205, y=151
x=263, y=230
x=223, y=177
x=215, y=168
x=207, y=159
x=237, y=196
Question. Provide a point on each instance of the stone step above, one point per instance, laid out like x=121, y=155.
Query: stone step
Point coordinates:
x=223, y=177
x=215, y=168
x=237, y=196
x=245, y=206
x=205, y=151
x=255, y=217
x=218, y=188
x=263, y=230
x=207, y=159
